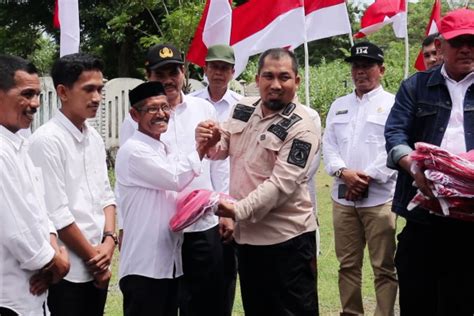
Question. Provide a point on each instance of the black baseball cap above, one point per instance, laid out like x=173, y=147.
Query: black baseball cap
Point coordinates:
x=145, y=90
x=162, y=54
x=365, y=50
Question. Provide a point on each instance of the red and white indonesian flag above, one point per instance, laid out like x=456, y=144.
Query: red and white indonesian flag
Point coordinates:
x=66, y=18
x=431, y=28
x=326, y=18
x=258, y=25
x=213, y=28
x=381, y=13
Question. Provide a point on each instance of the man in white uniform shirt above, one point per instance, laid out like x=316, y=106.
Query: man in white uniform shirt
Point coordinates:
x=362, y=193
x=201, y=290
x=79, y=200
x=219, y=70
x=148, y=176
x=30, y=258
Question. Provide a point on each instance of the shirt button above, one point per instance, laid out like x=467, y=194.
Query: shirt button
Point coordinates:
x=262, y=137
x=441, y=129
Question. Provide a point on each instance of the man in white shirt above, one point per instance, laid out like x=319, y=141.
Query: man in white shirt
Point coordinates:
x=201, y=287
x=30, y=258
x=362, y=193
x=79, y=200
x=219, y=70
x=149, y=176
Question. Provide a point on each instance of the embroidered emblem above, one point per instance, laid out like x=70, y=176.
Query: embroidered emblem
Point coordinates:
x=299, y=153
x=288, y=109
x=243, y=112
x=362, y=50
x=279, y=131
x=166, y=53
x=289, y=122
x=342, y=112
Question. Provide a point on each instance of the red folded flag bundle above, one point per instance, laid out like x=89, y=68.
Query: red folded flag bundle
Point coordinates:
x=191, y=206
x=452, y=181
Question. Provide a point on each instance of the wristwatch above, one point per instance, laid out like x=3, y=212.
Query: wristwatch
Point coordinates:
x=338, y=173
x=112, y=235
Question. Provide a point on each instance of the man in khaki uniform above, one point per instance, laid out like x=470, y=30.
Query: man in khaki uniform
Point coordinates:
x=271, y=142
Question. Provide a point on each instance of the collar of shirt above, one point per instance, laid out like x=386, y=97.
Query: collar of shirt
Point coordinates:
x=71, y=128
x=468, y=78
x=181, y=106
x=16, y=140
x=154, y=143
x=369, y=95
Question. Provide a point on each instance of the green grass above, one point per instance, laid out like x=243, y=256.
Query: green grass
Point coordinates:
x=327, y=264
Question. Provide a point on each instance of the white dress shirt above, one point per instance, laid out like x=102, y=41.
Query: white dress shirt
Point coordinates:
x=180, y=137
x=128, y=127
x=454, y=139
x=220, y=168
x=354, y=139
x=24, y=226
x=224, y=105
x=147, y=178
x=75, y=173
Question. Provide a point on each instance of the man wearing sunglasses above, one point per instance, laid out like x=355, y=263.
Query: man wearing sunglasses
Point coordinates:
x=434, y=255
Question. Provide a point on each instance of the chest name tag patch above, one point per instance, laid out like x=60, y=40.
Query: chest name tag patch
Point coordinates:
x=342, y=112
x=279, y=131
x=243, y=112
x=299, y=153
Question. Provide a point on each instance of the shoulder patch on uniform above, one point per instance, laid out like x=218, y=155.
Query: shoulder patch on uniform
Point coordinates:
x=288, y=109
x=299, y=153
x=279, y=131
x=286, y=123
x=243, y=112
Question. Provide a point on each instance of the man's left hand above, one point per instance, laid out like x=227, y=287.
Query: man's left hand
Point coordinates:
x=226, y=209
x=226, y=229
x=103, y=259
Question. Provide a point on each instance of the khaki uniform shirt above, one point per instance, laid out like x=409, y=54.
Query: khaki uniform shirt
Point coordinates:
x=269, y=159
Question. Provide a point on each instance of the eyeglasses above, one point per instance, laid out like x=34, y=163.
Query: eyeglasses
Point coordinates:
x=460, y=41
x=154, y=110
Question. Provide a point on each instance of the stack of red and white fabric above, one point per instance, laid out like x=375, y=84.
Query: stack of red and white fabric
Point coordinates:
x=193, y=205
x=452, y=181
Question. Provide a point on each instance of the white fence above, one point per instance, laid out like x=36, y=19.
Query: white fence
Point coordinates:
x=115, y=105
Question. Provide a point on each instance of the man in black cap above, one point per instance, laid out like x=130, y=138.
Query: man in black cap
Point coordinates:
x=201, y=291
x=353, y=151
x=148, y=173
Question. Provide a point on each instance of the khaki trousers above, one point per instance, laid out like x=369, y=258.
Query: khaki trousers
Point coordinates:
x=353, y=228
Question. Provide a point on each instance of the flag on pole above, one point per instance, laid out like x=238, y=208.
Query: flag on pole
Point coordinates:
x=258, y=25
x=381, y=13
x=326, y=18
x=431, y=28
x=66, y=18
x=213, y=28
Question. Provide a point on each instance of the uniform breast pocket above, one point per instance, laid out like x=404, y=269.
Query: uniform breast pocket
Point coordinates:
x=342, y=128
x=375, y=127
x=237, y=146
x=426, y=110
x=261, y=159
